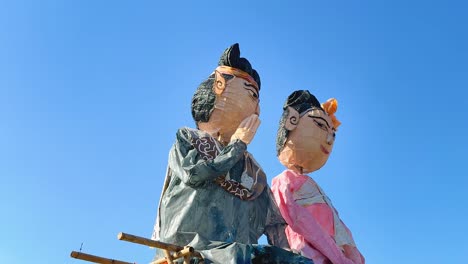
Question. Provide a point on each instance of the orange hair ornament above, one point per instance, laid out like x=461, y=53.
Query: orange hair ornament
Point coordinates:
x=330, y=107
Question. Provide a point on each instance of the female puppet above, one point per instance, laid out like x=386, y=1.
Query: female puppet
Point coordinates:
x=216, y=195
x=305, y=140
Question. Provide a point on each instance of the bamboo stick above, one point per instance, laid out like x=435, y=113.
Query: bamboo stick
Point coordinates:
x=168, y=256
x=96, y=259
x=187, y=251
x=148, y=242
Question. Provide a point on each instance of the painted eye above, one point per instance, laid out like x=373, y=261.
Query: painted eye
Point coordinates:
x=320, y=125
x=252, y=93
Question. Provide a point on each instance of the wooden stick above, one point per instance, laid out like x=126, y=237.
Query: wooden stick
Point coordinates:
x=148, y=242
x=178, y=250
x=160, y=261
x=187, y=251
x=96, y=259
x=168, y=256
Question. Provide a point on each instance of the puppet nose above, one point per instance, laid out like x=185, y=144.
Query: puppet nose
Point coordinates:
x=257, y=109
x=330, y=138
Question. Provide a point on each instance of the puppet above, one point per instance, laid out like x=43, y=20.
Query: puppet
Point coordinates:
x=215, y=197
x=304, y=142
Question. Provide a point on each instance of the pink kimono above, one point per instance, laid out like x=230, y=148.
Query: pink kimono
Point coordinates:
x=314, y=228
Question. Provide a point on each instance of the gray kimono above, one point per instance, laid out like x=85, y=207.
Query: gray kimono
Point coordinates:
x=210, y=201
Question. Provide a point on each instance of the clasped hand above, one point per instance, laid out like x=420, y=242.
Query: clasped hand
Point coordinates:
x=247, y=129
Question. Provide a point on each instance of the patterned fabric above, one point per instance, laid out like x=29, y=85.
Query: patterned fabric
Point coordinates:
x=253, y=179
x=208, y=148
x=252, y=183
x=193, y=209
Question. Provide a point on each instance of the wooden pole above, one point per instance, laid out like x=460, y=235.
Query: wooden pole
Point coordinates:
x=186, y=252
x=168, y=256
x=149, y=242
x=179, y=252
x=96, y=259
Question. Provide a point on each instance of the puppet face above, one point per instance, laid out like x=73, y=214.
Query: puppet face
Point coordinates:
x=237, y=100
x=309, y=143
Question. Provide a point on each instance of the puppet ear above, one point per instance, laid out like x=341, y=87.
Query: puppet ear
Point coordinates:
x=219, y=83
x=292, y=119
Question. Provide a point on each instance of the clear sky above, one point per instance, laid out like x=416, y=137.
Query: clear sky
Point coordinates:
x=93, y=92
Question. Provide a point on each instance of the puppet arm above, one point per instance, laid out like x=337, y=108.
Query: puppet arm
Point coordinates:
x=302, y=222
x=276, y=225
x=193, y=170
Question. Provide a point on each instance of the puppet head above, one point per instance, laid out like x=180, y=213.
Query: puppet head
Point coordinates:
x=228, y=96
x=306, y=132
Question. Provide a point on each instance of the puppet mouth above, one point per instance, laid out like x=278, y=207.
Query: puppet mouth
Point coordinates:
x=324, y=150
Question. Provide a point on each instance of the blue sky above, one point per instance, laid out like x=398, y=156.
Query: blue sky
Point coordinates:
x=92, y=93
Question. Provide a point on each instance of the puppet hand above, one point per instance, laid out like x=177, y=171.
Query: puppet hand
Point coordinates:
x=247, y=129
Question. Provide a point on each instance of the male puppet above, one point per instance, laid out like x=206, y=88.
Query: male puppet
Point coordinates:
x=304, y=142
x=215, y=194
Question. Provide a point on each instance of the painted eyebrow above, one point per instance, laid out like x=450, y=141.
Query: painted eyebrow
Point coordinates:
x=249, y=84
x=318, y=117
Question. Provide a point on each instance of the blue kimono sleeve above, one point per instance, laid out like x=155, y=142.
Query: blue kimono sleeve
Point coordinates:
x=192, y=169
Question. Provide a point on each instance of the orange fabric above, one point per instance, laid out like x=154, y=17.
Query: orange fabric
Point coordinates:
x=330, y=106
x=237, y=73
